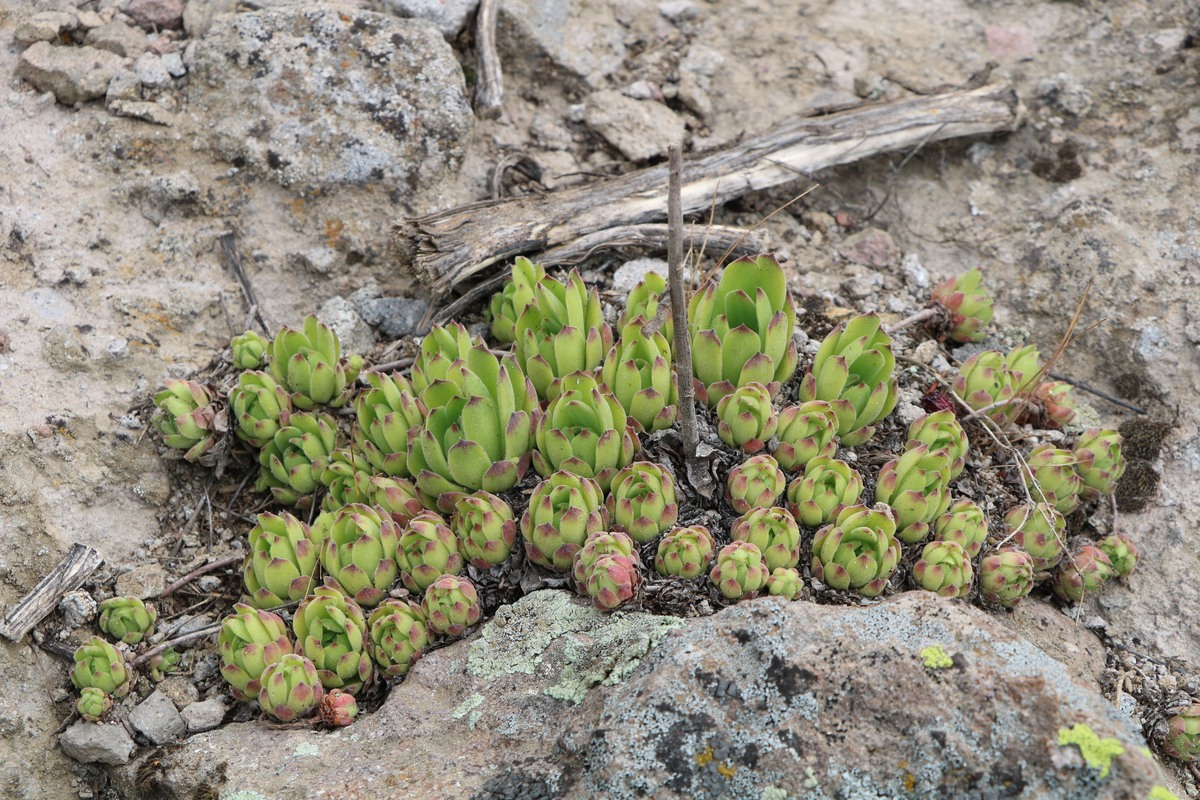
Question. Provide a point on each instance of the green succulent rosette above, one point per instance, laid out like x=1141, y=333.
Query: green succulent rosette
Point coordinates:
x=969, y=303
x=684, y=552
x=395, y=496
x=858, y=551
x=1098, y=462
x=451, y=605
x=291, y=688
x=1006, y=576
x=250, y=640
x=479, y=432
x=1057, y=401
x=746, y=418
x=1025, y=364
x=441, y=347
x=428, y=549
x=941, y=431
x=163, y=663
x=757, y=482
x=282, y=562
x=643, y=303
x=584, y=430
x=485, y=528
x=387, y=413
x=260, y=407
x=1039, y=530
x=330, y=628
x=741, y=330
x=642, y=501
x=965, y=523
x=1121, y=552
x=785, y=582
x=358, y=552
x=945, y=568
x=561, y=332
x=826, y=487
x=93, y=703
x=774, y=532
x=638, y=372
x=1180, y=734
x=292, y=462
x=739, y=571
x=1083, y=573
x=805, y=432
x=1049, y=475
x=188, y=418
x=309, y=364
x=596, y=545
x=347, y=477
x=249, y=350
x=399, y=636
x=852, y=371
x=514, y=297
x=612, y=580
x=984, y=381
x=127, y=619
x=917, y=487
x=562, y=511
x=101, y=666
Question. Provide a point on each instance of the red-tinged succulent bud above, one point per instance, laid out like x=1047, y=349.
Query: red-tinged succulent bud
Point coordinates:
x=774, y=531
x=1006, y=576
x=746, y=418
x=945, y=568
x=969, y=304
x=739, y=572
x=338, y=708
x=755, y=483
x=857, y=551
x=291, y=688
x=684, y=552
x=805, y=432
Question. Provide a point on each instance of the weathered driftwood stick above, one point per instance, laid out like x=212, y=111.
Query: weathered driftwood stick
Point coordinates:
x=489, y=87
x=68, y=576
x=462, y=244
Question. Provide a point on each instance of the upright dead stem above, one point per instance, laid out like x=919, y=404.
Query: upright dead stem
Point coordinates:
x=683, y=344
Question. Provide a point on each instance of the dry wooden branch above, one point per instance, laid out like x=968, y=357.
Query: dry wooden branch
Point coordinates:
x=451, y=247
x=68, y=576
x=489, y=86
x=683, y=345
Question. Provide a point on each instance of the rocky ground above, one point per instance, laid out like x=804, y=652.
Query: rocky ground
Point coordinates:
x=163, y=158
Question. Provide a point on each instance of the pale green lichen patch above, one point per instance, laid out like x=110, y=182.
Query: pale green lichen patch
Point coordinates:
x=936, y=657
x=1161, y=793
x=243, y=794
x=307, y=749
x=467, y=708
x=1098, y=753
x=773, y=793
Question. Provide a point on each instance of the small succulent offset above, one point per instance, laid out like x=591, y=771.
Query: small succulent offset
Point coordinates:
x=163, y=663
x=292, y=462
x=638, y=371
x=746, y=418
x=857, y=551
x=963, y=522
x=188, y=418
x=684, y=552
x=562, y=331
x=399, y=635
x=440, y=348
x=309, y=364
x=642, y=500
x=739, y=571
x=428, y=549
x=100, y=665
x=1085, y=572
x=741, y=329
x=941, y=431
x=984, y=381
x=805, y=432
x=127, y=619
x=826, y=487
x=612, y=580
x=282, y=561
x=1049, y=474
x=785, y=582
x=945, y=568
x=852, y=371
x=1006, y=576
x=330, y=630
x=917, y=487
x=757, y=482
x=249, y=350
x=485, y=528
x=260, y=407
x=93, y=703
x=599, y=544
x=337, y=708
x=386, y=413
x=396, y=497
x=1180, y=734
x=1098, y=462
x=563, y=510
x=774, y=531
x=969, y=304
x=643, y=303
x=1057, y=401
x=451, y=605
x=358, y=551
x=1121, y=552
x=510, y=302
x=250, y=640
x=1025, y=364
x=1038, y=530
x=291, y=688
x=347, y=475
x=584, y=430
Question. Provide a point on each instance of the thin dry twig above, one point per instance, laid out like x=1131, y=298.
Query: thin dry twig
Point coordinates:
x=199, y=633
x=683, y=345
x=196, y=573
x=489, y=86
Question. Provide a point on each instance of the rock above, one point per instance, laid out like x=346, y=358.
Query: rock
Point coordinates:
x=450, y=16
x=125, y=86
x=871, y=248
x=156, y=14
x=763, y=696
x=73, y=74
x=640, y=129
x=353, y=333
x=173, y=64
x=157, y=719
x=579, y=38
x=176, y=188
x=144, y=581
x=1010, y=42
x=320, y=260
x=393, y=316
x=143, y=110
x=63, y=349
x=117, y=37
x=151, y=72
x=45, y=26
x=198, y=15
x=679, y=10
x=629, y=274
x=78, y=609
x=321, y=97
x=97, y=743
x=204, y=716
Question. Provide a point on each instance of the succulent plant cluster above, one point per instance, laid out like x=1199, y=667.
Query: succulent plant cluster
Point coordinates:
x=411, y=486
